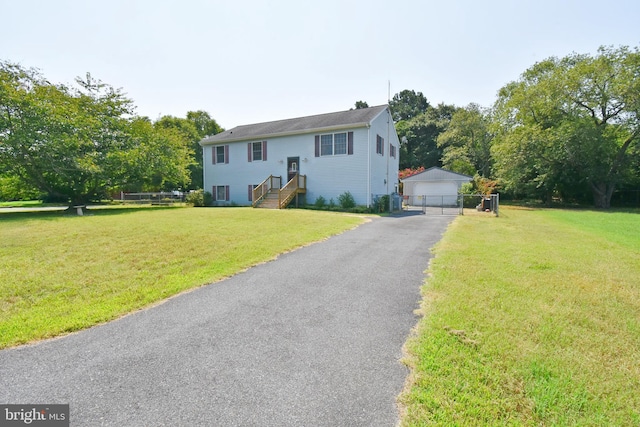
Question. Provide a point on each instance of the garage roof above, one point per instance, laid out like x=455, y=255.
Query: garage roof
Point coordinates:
x=437, y=174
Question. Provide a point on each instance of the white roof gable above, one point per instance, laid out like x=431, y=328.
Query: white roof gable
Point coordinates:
x=437, y=174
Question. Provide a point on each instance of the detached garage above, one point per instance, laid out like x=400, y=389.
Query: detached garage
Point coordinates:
x=434, y=187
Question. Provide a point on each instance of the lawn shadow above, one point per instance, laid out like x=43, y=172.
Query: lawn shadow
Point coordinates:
x=62, y=212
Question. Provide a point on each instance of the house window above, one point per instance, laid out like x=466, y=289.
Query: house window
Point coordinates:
x=220, y=193
x=250, y=191
x=392, y=150
x=379, y=145
x=334, y=144
x=220, y=154
x=340, y=143
x=326, y=145
x=257, y=151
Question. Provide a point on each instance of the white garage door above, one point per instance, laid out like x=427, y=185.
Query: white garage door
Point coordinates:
x=445, y=193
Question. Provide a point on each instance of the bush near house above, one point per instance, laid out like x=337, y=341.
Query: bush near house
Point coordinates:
x=199, y=198
x=346, y=200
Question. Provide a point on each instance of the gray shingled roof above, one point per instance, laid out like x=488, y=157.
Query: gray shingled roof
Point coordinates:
x=341, y=119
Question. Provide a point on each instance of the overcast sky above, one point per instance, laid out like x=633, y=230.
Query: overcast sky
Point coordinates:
x=259, y=60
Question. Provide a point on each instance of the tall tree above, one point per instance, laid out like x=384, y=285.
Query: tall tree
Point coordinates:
x=75, y=144
x=361, y=104
x=408, y=104
x=159, y=159
x=205, y=126
x=420, y=134
x=189, y=133
x=571, y=123
x=466, y=144
x=57, y=138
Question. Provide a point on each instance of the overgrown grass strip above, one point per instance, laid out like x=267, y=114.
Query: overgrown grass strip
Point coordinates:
x=532, y=318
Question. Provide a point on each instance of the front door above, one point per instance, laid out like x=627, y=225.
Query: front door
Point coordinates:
x=293, y=165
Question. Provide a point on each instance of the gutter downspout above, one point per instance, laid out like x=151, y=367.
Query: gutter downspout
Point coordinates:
x=388, y=149
x=368, y=165
x=204, y=170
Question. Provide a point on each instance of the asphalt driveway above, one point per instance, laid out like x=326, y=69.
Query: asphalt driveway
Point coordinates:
x=313, y=338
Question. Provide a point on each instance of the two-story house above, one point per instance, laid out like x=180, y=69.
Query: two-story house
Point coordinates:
x=321, y=155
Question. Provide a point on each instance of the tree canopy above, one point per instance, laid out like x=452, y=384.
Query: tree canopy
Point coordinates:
x=79, y=143
x=204, y=124
x=570, y=125
x=568, y=128
x=466, y=143
x=420, y=134
x=361, y=104
x=407, y=104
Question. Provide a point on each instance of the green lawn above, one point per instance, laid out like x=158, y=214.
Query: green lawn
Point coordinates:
x=60, y=273
x=532, y=318
x=25, y=204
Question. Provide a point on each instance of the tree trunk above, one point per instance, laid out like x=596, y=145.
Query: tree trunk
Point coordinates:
x=76, y=210
x=78, y=206
x=602, y=193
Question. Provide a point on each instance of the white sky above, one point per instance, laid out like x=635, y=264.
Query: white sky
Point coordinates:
x=248, y=61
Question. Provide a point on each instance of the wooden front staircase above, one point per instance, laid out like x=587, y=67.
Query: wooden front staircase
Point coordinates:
x=269, y=195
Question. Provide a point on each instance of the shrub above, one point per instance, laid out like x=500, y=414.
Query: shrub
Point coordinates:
x=467, y=188
x=332, y=204
x=199, y=198
x=346, y=200
x=12, y=188
x=382, y=203
x=360, y=209
x=208, y=199
x=195, y=198
x=320, y=202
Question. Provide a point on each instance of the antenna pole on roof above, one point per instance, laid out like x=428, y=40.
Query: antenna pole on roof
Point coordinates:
x=389, y=91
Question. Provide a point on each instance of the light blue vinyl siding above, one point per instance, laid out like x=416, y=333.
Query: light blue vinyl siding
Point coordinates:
x=362, y=173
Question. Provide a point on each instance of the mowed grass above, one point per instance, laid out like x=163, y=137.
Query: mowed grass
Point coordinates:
x=61, y=273
x=532, y=318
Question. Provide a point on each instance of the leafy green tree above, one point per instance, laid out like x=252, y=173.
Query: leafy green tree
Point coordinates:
x=13, y=188
x=361, y=104
x=157, y=159
x=58, y=139
x=408, y=104
x=420, y=135
x=77, y=144
x=188, y=131
x=466, y=143
x=570, y=125
x=205, y=126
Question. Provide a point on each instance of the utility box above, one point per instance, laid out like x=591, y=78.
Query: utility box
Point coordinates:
x=486, y=204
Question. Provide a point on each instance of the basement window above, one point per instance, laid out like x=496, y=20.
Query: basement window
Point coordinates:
x=221, y=193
